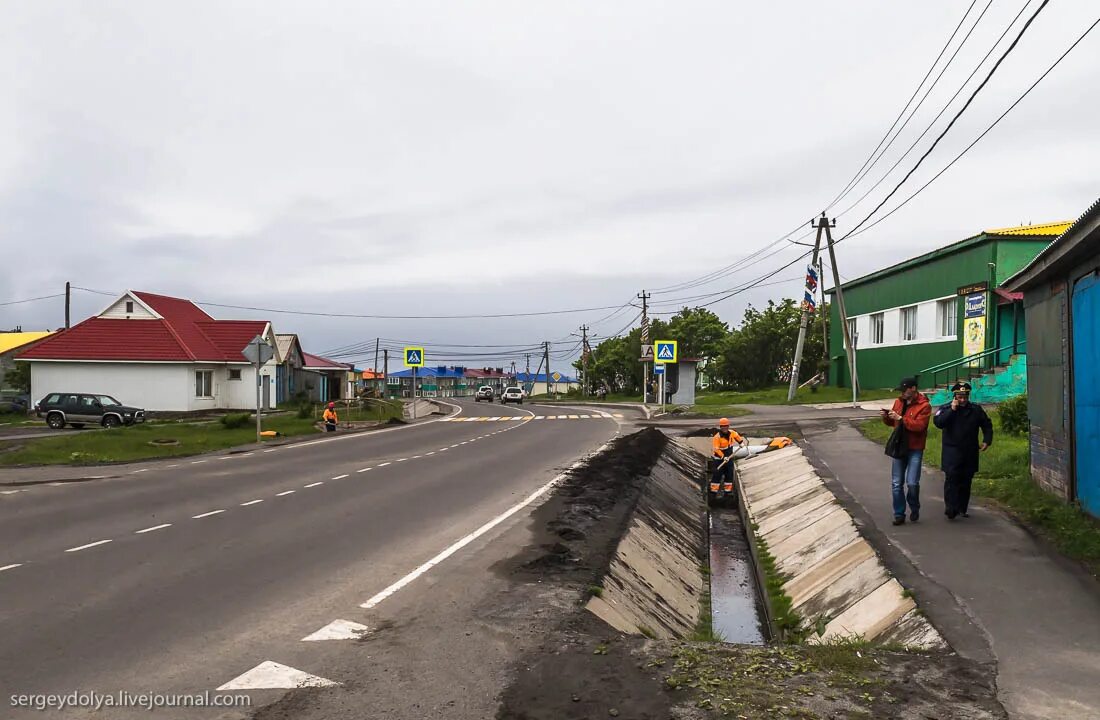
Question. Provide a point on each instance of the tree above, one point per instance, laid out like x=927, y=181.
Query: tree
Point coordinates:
x=760, y=352
x=700, y=333
x=19, y=377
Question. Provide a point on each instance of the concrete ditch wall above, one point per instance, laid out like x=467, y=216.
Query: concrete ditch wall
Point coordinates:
x=832, y=574
x=654, y=584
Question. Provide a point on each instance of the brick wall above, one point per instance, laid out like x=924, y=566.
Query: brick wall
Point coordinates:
x=1050, y=461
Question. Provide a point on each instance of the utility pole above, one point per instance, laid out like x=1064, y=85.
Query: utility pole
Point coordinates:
x=807, y=304
x=824, y=317
x=584, y=360
x=68, y=302
x=546, y=355
x=385, y=372
x=644, y=296
x=848, y=345
x=375, y=368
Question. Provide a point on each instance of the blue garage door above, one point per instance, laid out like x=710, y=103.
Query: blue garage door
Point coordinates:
x=1086, y=390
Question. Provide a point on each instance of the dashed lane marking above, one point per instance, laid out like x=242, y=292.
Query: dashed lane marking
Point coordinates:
x=197, y=462
x=338, y=477
x=11, y=567
x=285, y=492
x=384, y=464
x=207, y=514
x=89, y=545
x=322, y=482
x=250, y=502
x=151, y=529
x=362, y=470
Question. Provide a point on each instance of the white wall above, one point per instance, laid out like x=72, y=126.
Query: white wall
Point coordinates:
x=150, y=386
x=118, y=310
x=928, y=325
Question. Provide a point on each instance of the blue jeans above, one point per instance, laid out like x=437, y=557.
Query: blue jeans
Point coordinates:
x=906, y=475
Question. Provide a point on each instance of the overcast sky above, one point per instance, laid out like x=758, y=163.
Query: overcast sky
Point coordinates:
x=487, y=157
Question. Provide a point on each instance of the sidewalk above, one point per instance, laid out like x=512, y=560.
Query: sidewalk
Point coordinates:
x=995, y=592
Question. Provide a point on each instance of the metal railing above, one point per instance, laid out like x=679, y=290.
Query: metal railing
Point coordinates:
x=966, y=367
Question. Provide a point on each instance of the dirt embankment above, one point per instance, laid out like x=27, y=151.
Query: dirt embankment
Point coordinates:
x=582, y=668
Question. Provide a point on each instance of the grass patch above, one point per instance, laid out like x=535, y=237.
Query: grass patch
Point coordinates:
x=595, y=591
x=716, y=410
x=376, y=411
x=778, y=396
x=127, y=444
x=1005, y=477
x=704, y=628
x=786, y=620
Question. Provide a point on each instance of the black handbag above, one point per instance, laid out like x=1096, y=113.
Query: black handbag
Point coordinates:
x=896, y=446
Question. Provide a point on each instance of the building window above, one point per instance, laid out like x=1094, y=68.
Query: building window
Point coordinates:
x=234, y=374
x=129, y=307
x=909, y=323
x=204, y=383
x=877, y=323
x=852, y=329
x=947, y=312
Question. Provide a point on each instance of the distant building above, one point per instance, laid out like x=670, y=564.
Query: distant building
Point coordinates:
x=1061, y=289
x=536, y=384
x=936, y=309
x=11, y=344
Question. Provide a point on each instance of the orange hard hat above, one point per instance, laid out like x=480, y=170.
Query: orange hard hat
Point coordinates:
x=332, y=404
x=724, y=422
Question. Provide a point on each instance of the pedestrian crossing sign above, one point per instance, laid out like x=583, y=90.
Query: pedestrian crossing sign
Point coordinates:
x=414, y=357
x=665, y=351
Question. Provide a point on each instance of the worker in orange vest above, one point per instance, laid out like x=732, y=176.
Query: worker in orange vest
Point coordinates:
x=724, y=443
x=330, y=417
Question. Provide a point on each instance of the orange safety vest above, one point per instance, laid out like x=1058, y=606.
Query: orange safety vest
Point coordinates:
x=330, y=416
x=722, y=444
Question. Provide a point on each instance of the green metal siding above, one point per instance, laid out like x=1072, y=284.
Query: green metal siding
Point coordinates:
x=939, y=276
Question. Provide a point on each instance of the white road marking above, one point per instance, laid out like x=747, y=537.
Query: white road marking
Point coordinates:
x=464, y=442
x=574, y=417
x=431, y=453
x=402, y=459
x=270, y=675
x=11, y=567
x=151, y=529
x=539, y=417
x=361, y=470
x=385, y=464
x=245, y=454
x=197, y=462
x=11, y=492
x=169, y=467
x=416, y=457
x=89, y=545
x=207, y=514
x=271, y=450
x=444, y=449
x=285, y=492
x=338, y=477
x=456, y=445
x=322, y=482
x=250, y=502
x=618, y=415
x=338, y=630
x=446, y=553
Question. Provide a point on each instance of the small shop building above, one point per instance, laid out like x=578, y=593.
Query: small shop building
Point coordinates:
x=939, y=314
x=1061, y=293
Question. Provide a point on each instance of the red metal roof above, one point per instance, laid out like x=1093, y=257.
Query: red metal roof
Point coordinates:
x=316, y=362
x=183, y=333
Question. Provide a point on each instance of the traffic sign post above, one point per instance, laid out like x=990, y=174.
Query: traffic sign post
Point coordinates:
x=414, y=358
x=258, y=351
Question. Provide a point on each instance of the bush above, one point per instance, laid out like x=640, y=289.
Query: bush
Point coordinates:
x=305, y=411
x=1013, y=412
x=233, y=421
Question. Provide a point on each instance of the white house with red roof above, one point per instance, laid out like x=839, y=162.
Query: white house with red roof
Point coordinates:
x=156, y=352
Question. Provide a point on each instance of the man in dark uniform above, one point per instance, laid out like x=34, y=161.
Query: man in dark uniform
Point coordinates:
x=960, y=421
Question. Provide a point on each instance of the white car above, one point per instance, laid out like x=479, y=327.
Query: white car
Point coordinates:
x=485, y=392
x=512, y=394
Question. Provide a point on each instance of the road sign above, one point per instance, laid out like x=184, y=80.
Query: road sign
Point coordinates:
x=658, y=369
x=665, y=351
x=647, y=353
x=414, y=357
x=258, y=351
x=556, y=376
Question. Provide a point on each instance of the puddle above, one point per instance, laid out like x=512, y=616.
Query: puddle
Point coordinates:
x=735, y=605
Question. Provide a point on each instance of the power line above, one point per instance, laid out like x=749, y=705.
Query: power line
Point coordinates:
x=34, y=299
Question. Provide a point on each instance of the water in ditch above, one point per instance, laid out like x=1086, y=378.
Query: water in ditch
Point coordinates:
x=735, y=603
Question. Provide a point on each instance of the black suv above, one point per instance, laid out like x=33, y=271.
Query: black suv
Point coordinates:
x=80, y=409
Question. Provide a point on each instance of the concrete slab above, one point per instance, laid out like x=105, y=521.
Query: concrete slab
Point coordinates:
x=794, y=501
x=809, y=554
x=786, y=493
x=848, y=589
x=782, y=540
x=873, y=615
x=819, y=502
x=830, y=570
x=760, y=490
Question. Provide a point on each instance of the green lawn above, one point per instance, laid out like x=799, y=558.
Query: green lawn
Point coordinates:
x=1005, y=477
x=375, y=411
x=133, y=443
x=778, y=396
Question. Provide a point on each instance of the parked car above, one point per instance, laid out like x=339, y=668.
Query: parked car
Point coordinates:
x=80, y=409
x=485, y=392
x=512, y=394
x=16, y=405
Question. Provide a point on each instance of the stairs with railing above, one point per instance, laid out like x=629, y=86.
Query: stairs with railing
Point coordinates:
x=992, y=381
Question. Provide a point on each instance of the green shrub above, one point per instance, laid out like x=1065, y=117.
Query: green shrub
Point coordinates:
x=232, y=421
x=305, y=411
x=1013, y=412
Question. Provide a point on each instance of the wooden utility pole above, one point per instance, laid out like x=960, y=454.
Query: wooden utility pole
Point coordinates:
x=644, y=296
x=68, y=302
x=807, y=311
x=546, y=355
x=385, y=372
x=848, y=344
x=584, y=360
x=375, y=368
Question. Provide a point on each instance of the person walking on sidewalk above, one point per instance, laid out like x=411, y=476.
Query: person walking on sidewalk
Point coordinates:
x=960, y=421
x=330, y=418
x=911, y=411
x=724, y=442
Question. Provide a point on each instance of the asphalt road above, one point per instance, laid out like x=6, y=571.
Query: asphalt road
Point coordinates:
x=186, y=575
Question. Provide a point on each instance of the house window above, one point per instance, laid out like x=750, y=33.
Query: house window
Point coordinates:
x=129, y=307
x=909, y=323
x=947, y=312
x=852, y=329
x=204, y=383
x=234, y=374
x=877, y=323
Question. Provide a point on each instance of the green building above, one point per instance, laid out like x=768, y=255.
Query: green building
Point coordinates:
x=937, y=309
